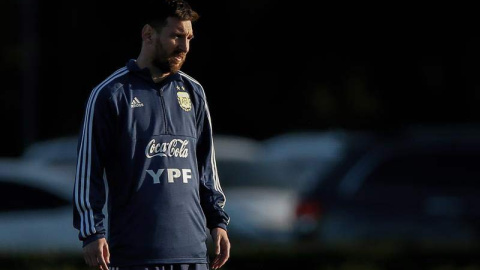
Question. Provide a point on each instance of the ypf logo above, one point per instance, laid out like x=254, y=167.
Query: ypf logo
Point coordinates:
x=171, y=175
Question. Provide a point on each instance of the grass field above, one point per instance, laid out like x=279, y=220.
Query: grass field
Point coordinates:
x=302, y=256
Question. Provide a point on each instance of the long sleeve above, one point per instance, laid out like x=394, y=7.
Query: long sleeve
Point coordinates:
x=92, y=150
x=211, y=194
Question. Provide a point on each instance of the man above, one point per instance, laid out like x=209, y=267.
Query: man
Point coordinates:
x=146, y=145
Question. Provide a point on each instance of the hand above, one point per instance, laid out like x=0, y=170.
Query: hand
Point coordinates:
x=96, y=254
x=222, y=247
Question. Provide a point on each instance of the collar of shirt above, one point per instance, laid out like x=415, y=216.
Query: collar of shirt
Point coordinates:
x=146, y=75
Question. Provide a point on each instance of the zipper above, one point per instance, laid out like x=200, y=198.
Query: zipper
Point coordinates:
x=164, y=110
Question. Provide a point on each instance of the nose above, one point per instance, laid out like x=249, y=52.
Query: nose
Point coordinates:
x=184, y=45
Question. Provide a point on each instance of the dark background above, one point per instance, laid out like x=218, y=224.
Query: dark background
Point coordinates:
x=268, y=67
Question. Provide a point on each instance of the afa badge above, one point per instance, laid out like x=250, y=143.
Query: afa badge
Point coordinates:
x=184, y=101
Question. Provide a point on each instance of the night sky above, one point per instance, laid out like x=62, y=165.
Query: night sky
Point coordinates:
x=266, y=67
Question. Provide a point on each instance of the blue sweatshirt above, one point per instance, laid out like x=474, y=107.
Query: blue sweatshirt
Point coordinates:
x=149, y=146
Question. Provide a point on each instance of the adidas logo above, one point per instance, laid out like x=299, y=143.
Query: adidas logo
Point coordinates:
x=136, y=103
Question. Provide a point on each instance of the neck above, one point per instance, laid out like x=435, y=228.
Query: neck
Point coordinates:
x=157, y=74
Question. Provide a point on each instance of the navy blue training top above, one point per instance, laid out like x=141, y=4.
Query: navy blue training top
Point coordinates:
x=149, y=146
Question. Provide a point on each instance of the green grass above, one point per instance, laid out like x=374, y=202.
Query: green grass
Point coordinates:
x=249, y=256
x=48, y=261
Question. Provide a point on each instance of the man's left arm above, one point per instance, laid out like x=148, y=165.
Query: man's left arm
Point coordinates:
x=211, y=194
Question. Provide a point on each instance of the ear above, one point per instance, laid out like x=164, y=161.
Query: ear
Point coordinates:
x=147, y=33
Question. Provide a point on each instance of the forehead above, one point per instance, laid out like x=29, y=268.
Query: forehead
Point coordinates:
x=177, y=25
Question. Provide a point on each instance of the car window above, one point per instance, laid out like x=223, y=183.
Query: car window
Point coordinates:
x=16, y=196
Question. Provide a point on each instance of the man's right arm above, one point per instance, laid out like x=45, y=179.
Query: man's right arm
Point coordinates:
x=89, y=190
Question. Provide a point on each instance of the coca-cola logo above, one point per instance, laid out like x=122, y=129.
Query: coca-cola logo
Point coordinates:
x=174, y=148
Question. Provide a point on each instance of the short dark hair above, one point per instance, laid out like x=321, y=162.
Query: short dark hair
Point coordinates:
x=157, y=12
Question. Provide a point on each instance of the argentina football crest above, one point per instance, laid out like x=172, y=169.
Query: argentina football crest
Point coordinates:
x=184, y=101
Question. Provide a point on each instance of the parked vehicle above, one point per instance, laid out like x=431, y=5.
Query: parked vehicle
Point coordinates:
x=35, y=209
x=59, y=153
x=304, y=155
x=259, y=200
x=419, y=187
x=261, y=192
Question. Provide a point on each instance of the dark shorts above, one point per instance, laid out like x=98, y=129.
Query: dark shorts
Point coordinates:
x=192, y=266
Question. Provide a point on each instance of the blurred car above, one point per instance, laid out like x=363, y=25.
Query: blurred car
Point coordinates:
x=259, y=200
x=418, y=187
x=60, y=153
x=306, y=154
x=261, y=192
x=232, y=147
x=35, y=209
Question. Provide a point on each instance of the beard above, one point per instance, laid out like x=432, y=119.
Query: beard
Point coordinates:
x=167, y=63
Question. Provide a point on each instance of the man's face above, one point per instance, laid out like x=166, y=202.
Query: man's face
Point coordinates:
x=172, y=43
